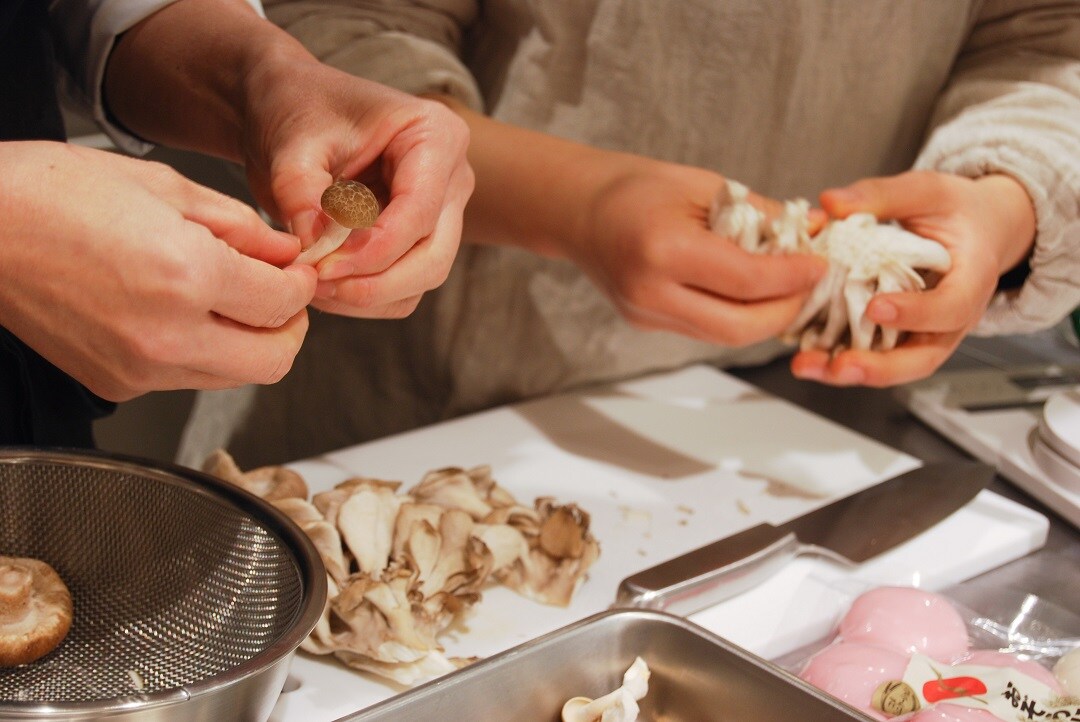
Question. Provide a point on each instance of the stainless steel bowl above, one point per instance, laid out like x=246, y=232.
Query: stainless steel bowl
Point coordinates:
x=190, y=595
x=696, y=675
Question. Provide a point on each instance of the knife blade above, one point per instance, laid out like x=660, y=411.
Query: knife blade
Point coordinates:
x=850, y=530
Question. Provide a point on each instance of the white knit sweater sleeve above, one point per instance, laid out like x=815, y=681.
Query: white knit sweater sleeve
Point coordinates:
x=1013, y=106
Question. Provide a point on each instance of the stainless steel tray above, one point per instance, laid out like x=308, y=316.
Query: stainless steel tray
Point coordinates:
x=696, y=676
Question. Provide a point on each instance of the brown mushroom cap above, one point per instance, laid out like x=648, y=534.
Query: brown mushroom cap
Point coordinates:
x=35, y=610
x=351, y=204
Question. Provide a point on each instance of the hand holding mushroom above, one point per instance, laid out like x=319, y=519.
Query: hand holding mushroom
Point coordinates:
x=645, y=244
x=141, y=280
x=296, y=125
x=964, y=232
x=987, y=225
x=865, y=258
x=317, y=124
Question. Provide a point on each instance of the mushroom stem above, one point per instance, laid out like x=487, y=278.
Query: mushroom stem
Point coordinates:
x=330, y=240
x=617, y=706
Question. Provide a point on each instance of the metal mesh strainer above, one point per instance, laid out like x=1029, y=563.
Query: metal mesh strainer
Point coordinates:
x=180, y=583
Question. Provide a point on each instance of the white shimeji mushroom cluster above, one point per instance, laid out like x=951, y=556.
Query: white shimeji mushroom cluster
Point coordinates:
x=865, y=258
x=401, y=568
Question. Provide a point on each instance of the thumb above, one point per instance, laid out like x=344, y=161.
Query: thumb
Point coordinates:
x=298, y=186
x=887, y=198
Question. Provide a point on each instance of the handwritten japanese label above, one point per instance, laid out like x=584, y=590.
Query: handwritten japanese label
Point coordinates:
x=1004, y=692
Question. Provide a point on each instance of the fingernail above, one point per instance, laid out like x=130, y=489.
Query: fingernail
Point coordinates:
x=337, y=270
x=326, y=289
x=882, y=311
x=850, y=375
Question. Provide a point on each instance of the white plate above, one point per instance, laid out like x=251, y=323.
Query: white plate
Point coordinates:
x=1051, y=463
x=1059, y=425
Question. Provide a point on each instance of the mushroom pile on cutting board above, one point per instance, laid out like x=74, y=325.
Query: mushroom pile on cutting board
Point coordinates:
x=401, y=568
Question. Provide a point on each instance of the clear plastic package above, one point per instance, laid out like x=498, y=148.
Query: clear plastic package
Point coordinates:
x=910, y=655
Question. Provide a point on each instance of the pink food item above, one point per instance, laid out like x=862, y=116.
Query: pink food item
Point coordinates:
x=953, y=713
x=851, y=671
x=994, y=658
x=906, y=620
x=1067, y=671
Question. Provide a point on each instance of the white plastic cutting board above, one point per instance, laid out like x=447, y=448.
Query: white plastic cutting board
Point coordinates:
x=664, y=464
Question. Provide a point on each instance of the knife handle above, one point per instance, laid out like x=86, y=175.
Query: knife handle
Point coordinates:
x=712, y=573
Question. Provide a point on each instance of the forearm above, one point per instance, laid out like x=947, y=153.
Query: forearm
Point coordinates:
x=182, y=77
x=533, y=190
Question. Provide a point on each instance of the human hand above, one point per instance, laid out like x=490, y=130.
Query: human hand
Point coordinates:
x=311, y=125
x=646, y=243
x=131, y=278
x=987, y=225
x=297, y=125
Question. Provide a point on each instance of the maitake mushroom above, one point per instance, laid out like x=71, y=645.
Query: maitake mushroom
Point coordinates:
x=401, y=568
x=541, y=553
x=349, y=204
x=617, y=706
x=268, y=482
x=35, y=610
x=865, y=258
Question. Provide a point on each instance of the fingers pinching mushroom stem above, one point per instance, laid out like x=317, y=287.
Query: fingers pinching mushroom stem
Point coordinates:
x=350, y=205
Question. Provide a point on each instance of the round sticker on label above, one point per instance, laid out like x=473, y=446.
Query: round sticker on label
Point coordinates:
x=895, y=697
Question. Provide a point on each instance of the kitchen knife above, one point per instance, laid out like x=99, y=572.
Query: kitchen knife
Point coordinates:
x=850, y=530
